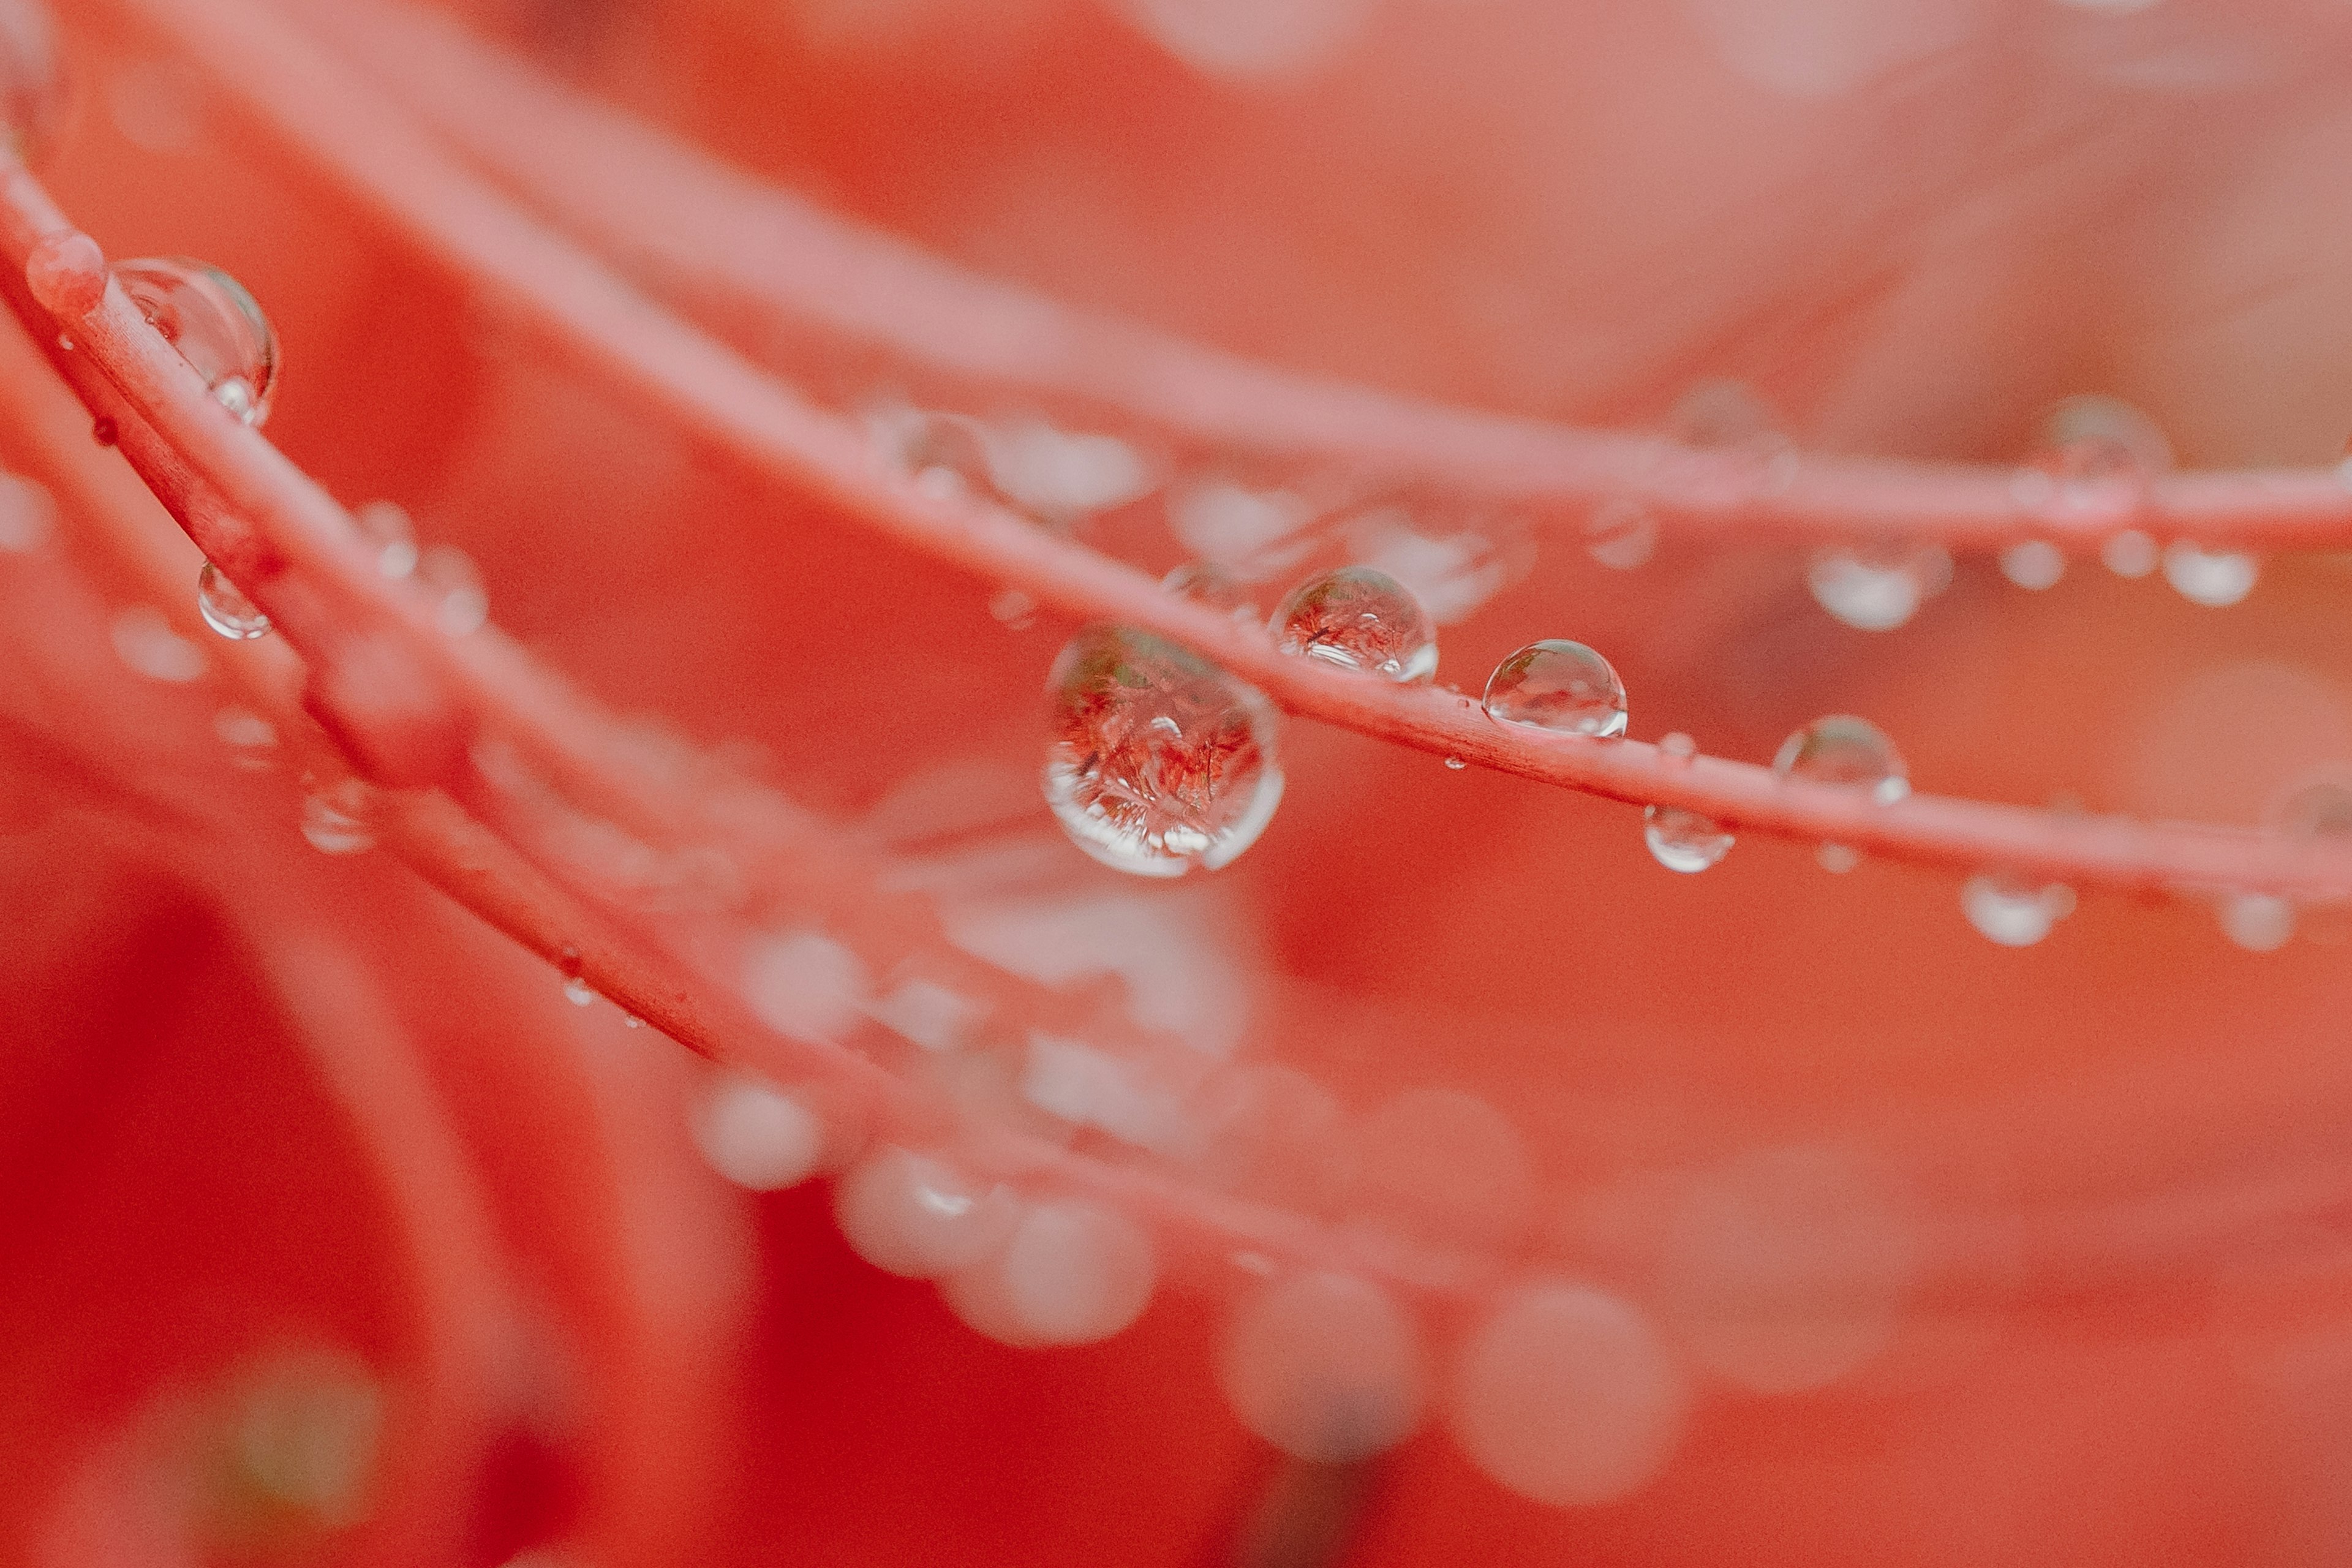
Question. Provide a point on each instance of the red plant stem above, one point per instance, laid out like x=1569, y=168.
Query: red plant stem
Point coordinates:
x=763, y=268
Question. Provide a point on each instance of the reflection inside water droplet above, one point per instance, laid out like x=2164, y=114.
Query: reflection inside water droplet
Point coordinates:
x=214, y=323
x=1684, y=840
x=1359, y=618
x=1559, y=686
x=225, y=608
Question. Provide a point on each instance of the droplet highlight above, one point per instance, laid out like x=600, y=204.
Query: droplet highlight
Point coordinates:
x=1876, y=588
x=384, y=526
x=2214, y=578
x=454, y=584
x=2012, y=912
x=225, y=608
x=920, y=1217
x=1157, y=761
x=1359, y=618
x=1844, y=749
x=214, y=324
x=1563, y=687
x=1684, y=840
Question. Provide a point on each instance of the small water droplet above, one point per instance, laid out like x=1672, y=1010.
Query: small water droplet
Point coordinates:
x=2033, y=565
x=214, y=323
x=757, y=1135
x=2008, y=909
x=251, y=739
x=1844, y=749
x=2215, y=578
x=2130, y=554
x=447, y=574
x=1838, y=858
x=385, y=528
x=1157, y=762
x=1621, y=534
x=1723, y=415
x=2259, y=922
x=1560, y=685
x=1678, y=749
x=1684, y=840
x=28, y=514
x=225, y=608
x=1457, y=763
x=1204, y=582
x=1013, y=608
x=1876, y=588
x=578, y=991
x=2101, y=456
x=631, y=1021
x=1359, y=618
x=340, y=818
x=145, y=641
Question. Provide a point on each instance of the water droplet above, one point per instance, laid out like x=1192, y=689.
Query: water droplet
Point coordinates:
x=1457, y=763
x=225, y=608
x=918, y=1217
x=1678, y=749
x=2130, y=554
x=2012, y=912
x=214, y=324
x=384, y=526
x=2259, y=922
x=1560, y=685
x=1844, y=749
x=631, y=1021
x=942, y=453
x=250, y=738
x=1061, y=476
x=1073, y=1273
x=805, y=985
x=578, y=991
x=1621, y=534
x=447, y=574
x=1684, y=840
x=1838, y=859
x=67, y=275
x=1205, y=583
x=1876, y=588
x=28, y=514
x=2101, y=455
x=2033, y=564
x=1567, y=1396
x=1013, y=608
x=1359, y=618
x=2213, y=578
x=340, y=818
x=757, y=1136
x=1326, y=1367
x=1157, y=761
x=145, y=641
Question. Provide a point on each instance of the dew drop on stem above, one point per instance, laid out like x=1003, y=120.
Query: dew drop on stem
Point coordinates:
x=208, y=317
x=1359, y=618
x=1560, y=685
x=225, y=608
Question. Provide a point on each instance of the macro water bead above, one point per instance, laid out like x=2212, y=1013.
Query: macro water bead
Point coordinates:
x=225, y=608
x=1158, y=761
x=214, y=323
x=1684, y=840
x=1844, y=749
x=1358, y=618
x=1563, y=687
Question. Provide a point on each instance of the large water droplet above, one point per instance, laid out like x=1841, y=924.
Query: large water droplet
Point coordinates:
x=2012, y=912
x=1875, y=588
x=1844, y=749
x=1684, y=840
x=207, y=316
x=2214, y=578
x=757, y=1136
x=1326, y=1367
x=1559, y=686
x=2100, y=455
x=340, y=818
x=1158, y=762
x=225, y=608
x=1359, y=618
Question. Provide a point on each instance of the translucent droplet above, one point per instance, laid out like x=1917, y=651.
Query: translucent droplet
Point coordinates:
x=1567, y=1396
x=225, y=608
x=1209, y=584
x=1844, y=749
x=251, y=739
x=1621, y=534
x=384, y=526
x=1456, y=763
x=1061, y=475
x=1678, y=749
x=1326, y=1367
x=1876, y=588
x=757, y=1136
x=2130, y=554
x=1073, y=1273
x=578, y=991
x=28, y=514
x=2101, y=456
x=2012, y=912
x=1559, y=686
x=2033, y=564
x=1359, y=618
x=207, y=316
x=449, y=576
x=340, y=818
x=1157, y=762
x=144, y=640
x=805, y=985
x=1684, y=840
x=916, y=1216
x=1013, y=608
x=2259, y=922
x=2214, y=578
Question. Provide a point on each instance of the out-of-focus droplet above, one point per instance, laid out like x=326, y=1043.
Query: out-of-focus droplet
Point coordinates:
x=251, y=739
x=1249, y=40
x=1359, y=618
x=757, y=1136
x=805, y=985
x=2101, y=456
x=225, y=608
x=385, y=528
x=2259, y=922
x=631, y=1021
x=2215, y=578
x=1061, y=476
x=578, y=991
x=1455, y=764
x=920, y=1217
x=214, y=323
x=454, y=584
x=1559, y=686
x=340, y=818
x=1838, y=859
x=1157, y=762
x=2011, y=910
x=2130, y=554
x=66, y=274
x=1220, y=520
x=144, y=640
x=1621, y=534
x=1876, y=588
x=34, y=94
x=1684, y=840
x=2033, y=564
x=1327, y=1367
x=1072, y=1273
x=1567, y=1396
x=28, y=514
x=1678, y=749
x=1013, y=608
x=1844, y=749
x=302, y=1431
x=2315, y=812
x=1204, y=582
